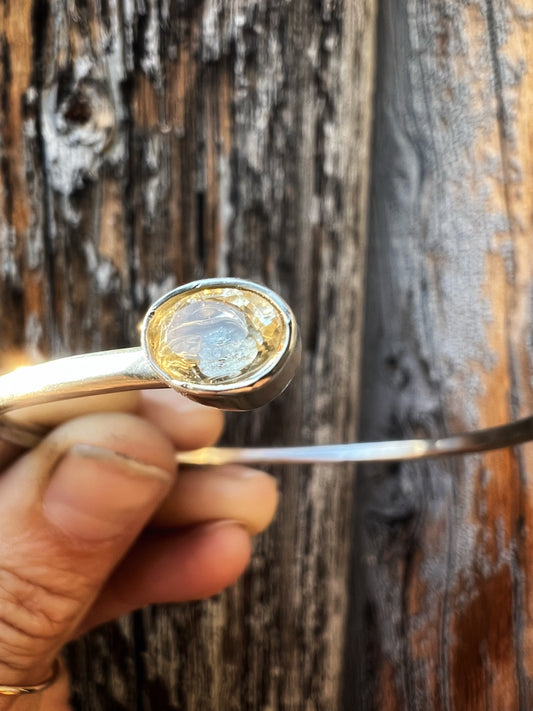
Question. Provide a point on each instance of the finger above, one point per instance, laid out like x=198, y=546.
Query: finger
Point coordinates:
x=68, y=513
x=229, y=492
x=174, y=567
x=54, y=413
x=188, y=424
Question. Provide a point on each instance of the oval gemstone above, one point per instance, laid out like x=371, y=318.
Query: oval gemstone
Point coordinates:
x=218, y=335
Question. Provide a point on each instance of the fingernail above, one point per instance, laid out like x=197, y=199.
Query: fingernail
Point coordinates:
x=221, y=523
x=238, y=472
x=97, y=494
x=206, y=529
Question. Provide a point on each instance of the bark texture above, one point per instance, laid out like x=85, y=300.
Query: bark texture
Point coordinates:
x=146, y=143
x=445, y=618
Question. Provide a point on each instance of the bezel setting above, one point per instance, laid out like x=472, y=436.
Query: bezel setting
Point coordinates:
x=249, y=390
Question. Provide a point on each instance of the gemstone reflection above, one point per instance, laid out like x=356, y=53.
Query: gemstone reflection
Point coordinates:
x=219, y=335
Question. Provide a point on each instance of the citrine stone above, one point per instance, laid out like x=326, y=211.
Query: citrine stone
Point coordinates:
x=216, y=336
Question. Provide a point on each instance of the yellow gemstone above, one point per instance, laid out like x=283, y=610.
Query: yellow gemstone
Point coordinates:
x=216, y=336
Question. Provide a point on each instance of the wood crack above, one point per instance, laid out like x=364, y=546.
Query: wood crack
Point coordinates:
x=500, y=106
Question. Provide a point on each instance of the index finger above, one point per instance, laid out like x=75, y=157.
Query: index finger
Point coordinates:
x=55, y=413
x=188, y=424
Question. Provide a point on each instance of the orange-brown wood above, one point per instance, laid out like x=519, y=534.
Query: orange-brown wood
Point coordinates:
x=449, y=322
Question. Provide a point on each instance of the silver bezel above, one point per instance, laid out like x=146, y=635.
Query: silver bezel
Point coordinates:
x=249, y=392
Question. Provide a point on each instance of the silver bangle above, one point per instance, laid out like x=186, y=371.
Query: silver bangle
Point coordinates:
x=227, y=343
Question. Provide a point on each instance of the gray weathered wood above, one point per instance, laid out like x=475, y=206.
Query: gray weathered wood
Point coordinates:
x=444, y=618
x=148, y=143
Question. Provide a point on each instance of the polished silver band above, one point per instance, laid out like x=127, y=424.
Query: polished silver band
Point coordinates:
x=128, y=369
x=66, y=378
x=139, y=368
x=507, y=435
x=228, y=343
x=76, y=376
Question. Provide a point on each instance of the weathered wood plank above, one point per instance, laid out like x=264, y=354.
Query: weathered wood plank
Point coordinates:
x=163, y=141
x=447, y=546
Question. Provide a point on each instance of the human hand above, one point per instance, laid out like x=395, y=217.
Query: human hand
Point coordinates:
x=95, y=523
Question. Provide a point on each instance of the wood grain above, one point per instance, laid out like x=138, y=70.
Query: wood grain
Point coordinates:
x=445, y=614
x=163, y=141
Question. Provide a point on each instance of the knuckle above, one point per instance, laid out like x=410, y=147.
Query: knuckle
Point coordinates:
x=34, y=613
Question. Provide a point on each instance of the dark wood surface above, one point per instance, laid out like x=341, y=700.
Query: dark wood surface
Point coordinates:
x=144, y=144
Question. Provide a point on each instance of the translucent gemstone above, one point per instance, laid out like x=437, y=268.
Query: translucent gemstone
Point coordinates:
x=215, y=336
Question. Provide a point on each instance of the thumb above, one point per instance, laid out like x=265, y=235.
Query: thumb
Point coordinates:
x=68, y=513
x=96, y=495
